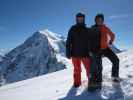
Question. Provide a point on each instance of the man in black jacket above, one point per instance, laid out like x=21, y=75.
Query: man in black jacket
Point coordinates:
x=78, y=47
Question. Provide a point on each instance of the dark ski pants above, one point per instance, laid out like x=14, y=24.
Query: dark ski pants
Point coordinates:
x=114, y=59
x=96, y=65
x=96, y=68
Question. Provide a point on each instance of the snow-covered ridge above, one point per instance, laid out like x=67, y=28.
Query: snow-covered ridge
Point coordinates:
x=56, y=40
x=58, y=85
x=51, y=35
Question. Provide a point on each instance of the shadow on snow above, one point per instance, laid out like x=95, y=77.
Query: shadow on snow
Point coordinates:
x=116, y=94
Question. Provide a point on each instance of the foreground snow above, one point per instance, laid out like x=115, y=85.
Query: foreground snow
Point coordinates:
x=58, y=85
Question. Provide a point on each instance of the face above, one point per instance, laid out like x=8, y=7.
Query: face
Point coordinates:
x=80, y=20
x=99, y=21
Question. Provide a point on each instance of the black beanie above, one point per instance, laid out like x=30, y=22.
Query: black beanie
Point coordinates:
x=99, y=16
x=80, y=15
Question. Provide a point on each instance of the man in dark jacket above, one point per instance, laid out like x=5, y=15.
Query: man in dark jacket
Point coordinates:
x=78, y=47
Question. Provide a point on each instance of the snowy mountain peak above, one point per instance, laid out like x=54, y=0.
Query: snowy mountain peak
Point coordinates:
x=37, y=36
x=39, y=54
x=57, y=41
x=50, y=34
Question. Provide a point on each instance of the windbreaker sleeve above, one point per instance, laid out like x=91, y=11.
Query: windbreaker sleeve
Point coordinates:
x=69, y=43
x=111, y=34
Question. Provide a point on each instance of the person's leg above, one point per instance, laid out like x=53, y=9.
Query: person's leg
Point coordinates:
x=99, y=68
x=95, y=81
x=115, y=61
x=96, y=68
x=77, y=71
x=93, y=68
x=86, y=62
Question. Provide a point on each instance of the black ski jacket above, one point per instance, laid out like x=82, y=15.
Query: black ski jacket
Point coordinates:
x=78, y=41
x=95, y=39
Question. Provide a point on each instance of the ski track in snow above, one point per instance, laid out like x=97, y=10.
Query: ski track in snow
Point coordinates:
x=58, y=85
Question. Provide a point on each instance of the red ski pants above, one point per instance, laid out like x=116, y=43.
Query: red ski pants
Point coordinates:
x=77, y=68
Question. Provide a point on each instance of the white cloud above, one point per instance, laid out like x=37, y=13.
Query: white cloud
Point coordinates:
x=120, y=16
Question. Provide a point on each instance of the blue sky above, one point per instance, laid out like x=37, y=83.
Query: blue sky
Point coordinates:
x=19, y=19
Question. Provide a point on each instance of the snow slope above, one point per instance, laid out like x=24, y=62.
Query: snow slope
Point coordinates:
x=58, y=85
